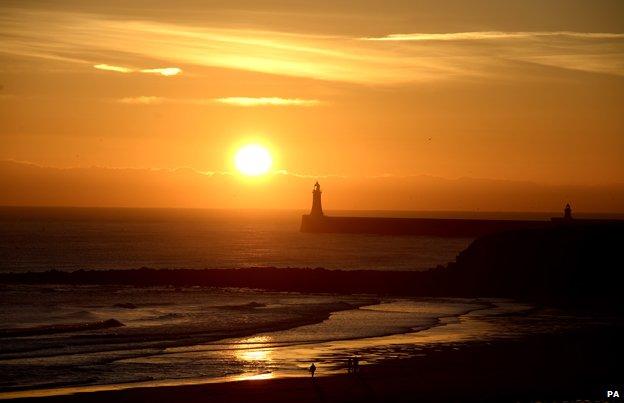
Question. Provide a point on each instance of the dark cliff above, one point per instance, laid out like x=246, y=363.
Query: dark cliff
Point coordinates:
x=574, y=262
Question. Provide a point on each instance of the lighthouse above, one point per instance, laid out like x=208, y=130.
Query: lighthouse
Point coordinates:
x=317, y=208
x=567, y=212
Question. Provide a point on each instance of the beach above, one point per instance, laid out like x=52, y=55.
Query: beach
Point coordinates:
x=431, y=349
x=151, y=336
x=536, y=369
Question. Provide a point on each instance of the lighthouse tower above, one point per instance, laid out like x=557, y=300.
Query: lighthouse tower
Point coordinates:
x=567, y=212
x=317, y=208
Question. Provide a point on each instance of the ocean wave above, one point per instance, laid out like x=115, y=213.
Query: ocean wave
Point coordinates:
x=81, y=316
x=59, y=328
x=247, y=306
x=125, y=305
x=165, y=317
x=200, y=323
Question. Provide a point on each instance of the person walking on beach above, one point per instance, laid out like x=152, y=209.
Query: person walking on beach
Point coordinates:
x=349, y=365
x=356, y=364
x=312, y=369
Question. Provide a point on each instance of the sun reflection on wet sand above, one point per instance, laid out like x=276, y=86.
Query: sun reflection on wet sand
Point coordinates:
x=266, y=356
x=256, y=377
x=286, y=357
x=331, y=356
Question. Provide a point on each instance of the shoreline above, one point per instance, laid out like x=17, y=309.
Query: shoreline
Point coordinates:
x=534, y=368
x=429, y=333
x=450, y=333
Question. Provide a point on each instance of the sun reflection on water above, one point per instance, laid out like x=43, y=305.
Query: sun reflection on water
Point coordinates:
x=254, y=355
x=254, y=349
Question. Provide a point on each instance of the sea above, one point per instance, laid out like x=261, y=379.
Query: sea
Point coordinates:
x=58, y=338
x=39, y=239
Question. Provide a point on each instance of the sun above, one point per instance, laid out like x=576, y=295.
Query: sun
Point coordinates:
x=253, y=160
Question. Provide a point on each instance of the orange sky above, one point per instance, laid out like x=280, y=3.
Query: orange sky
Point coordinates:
x=519, y=91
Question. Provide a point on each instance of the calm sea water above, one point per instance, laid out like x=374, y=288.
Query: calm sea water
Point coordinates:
x=40, y=239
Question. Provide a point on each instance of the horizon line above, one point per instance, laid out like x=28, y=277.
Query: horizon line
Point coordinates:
x=285, y=172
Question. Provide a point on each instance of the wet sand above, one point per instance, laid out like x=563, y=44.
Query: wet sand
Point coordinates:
x=572, y=366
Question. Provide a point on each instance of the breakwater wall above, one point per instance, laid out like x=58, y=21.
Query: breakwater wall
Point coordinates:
x=444, y=227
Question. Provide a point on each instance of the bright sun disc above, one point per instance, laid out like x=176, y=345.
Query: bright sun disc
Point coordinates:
x=253, y=160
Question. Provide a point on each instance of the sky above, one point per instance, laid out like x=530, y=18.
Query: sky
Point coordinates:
x=377, y=94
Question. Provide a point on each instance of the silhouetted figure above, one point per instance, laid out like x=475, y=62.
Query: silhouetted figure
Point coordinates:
x=312, y=369
x=349, y=365
x=356, y=364
x=567, y=212
x=317, y=208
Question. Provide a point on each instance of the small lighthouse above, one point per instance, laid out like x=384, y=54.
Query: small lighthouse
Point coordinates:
x=567, y=212
x=317, y=208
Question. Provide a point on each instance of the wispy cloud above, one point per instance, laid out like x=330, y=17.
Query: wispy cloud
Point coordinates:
x=164, y=71
x=267, y=101
x=108, y=67
x=391, y=59
x=595, y=52
x=285, y=172
x=142, y=100
x=590, y=63
x=232, y=101
x=491, y=35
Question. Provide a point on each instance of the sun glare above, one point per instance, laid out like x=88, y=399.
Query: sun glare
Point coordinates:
x=253, y=160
